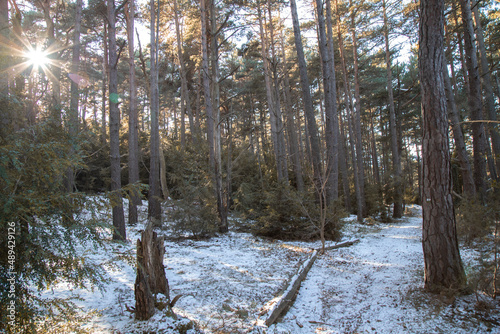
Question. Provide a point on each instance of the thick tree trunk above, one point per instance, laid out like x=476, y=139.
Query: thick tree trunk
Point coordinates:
x=475, y=102
x=133, y=130
x=154, y=196
x=396, y=157
x=114, y=129
x=443, y=266
x=307, y=100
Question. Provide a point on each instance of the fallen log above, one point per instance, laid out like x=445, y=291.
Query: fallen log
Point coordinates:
x=340, y=245
x=285, y=299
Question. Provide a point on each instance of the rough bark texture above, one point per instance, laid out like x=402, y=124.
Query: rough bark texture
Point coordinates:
x=475, y=101
x=133, y=131
x=154, y=196
x=396, y=157
x=151, y=278
x=312, y=128
x=114, y=129
x=443, y=266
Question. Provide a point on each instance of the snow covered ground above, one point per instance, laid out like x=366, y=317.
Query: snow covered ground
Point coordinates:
x=227, y=284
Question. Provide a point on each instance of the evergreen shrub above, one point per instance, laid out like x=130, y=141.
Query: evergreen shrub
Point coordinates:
x=42, y=226
x=286, y=214
x=193, y=210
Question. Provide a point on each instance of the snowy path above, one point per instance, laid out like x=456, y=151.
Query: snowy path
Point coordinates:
x=227, y=282
x=373, y=287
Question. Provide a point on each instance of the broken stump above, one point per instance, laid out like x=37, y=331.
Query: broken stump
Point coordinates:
x=151, y=278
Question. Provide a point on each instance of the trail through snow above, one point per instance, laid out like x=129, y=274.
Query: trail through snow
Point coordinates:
x=226, y=283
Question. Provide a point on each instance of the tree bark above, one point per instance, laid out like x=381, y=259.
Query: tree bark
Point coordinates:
x=443, y=266
x=396, y=157
x=151, y=278
x=133, y=127
x=114, y=129
x=154, y=196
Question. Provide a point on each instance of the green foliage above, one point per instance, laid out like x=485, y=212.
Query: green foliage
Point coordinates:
x=284, y=213
x=47, y=227
x=474, y=220
x=194, y=206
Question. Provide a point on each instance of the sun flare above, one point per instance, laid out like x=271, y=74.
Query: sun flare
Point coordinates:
x=37, y=58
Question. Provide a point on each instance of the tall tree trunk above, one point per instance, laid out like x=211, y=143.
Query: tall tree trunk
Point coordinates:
x=330, y=91
x=212, y=117
x=154, y=196
x=307, y=100
x=443, y=266
x=114, y=129
x=280, y=134
x=396, y=157
x=105, y=81
x=133, y=127
x=292, y=129
x=185, y=102
x=73, y=108
x=475, y=102
x=357, y=121
x=469, y=187
x=214, y=60
x=376, y=169
x=355, y=146
x=488, y=95
x=269, y=93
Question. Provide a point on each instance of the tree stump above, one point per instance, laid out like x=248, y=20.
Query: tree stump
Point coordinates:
x=151, y=278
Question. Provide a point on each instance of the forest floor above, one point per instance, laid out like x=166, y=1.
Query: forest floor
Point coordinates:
x=227, y=285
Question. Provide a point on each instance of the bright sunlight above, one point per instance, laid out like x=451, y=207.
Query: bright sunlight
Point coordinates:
x=37, y=58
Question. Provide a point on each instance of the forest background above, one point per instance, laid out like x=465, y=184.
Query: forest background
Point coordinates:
x=231, y=108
